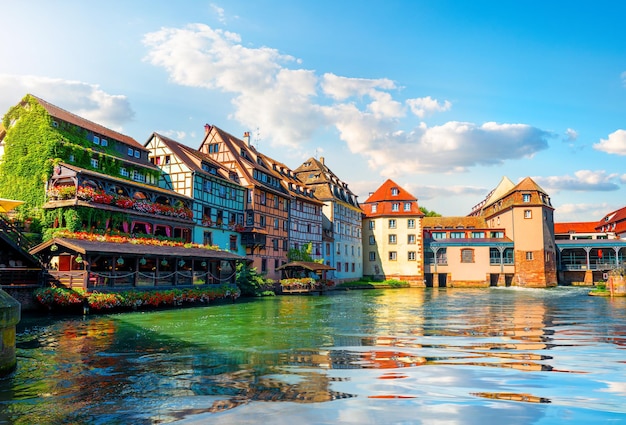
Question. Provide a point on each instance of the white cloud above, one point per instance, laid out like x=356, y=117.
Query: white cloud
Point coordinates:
x=219, y=11
x=614, y=144
x=290, y=105
x=583, y=212
x=571, y=135
x=425, y=105
x=83, y=99
x=582, y=181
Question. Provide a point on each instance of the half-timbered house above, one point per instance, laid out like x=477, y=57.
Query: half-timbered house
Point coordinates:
x=342, y=219
x=266, y=224
x=218, y=199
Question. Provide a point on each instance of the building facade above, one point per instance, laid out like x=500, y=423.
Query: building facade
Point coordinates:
x=267, y=205
x=218, y=199
x=342, y=220
x=392, y=235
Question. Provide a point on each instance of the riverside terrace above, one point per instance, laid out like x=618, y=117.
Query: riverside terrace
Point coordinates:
x=585, y=261
x=95, y=264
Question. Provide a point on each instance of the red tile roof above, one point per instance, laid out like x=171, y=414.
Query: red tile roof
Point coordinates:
x=575, y=227
x=384, y=199
x=614, y=221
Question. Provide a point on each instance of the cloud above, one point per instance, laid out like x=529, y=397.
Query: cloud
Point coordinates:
x=438, y=192
x=583, y=212
x=289, y=104
x=83, y=99
x=614, y=144
x=219, y=11
x=582, y=181
x=571, y=135
x=421, y=106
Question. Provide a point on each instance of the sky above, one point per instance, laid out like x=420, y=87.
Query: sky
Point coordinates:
x=443, y=97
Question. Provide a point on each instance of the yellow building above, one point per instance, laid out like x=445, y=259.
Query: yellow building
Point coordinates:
x=392, y=235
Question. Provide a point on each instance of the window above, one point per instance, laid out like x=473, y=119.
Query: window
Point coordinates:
x=72, y=158
x=276, y=202
x=372, y=240
x=275, y=244
x=407, y=206
x=276, y=223
x=96, y=140
x=457, y=235
x=526, y=197
x=411, y=239
x=207, y=239
x=411, y=256
x=207, y=185
x=137, y=154
x=392, y=223
x=275, y=263
x=374, y=208
x=393, y=255
x=439, y=235
x=262, y=221
x=372, y=256
x=131, y=151
x=352, y=267
x=94, y=162
x=528, y=214
x=467, y=256
x=496, y=235
x=327, y=249
x=410, y=223
x=104, y=142
x=263, y=198
x=478, y=235
x=392, y=239
x=372, y=224
x=394, y=191
x=284, y=244
x=529, y=255
x=338, y=267
x=124, y=172
x=233, y=243
x=263, y=265
x=395, y=206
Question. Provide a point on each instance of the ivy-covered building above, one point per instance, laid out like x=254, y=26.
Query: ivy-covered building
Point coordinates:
x=75, y=174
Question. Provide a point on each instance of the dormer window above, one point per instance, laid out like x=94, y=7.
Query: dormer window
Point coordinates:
x=394, y=191
x=104, y=142
x=526, y=197
x=96, y=140
x=374, y=207
x=137, y=154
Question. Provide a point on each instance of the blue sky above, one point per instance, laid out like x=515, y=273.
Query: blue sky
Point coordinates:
x=444, y=97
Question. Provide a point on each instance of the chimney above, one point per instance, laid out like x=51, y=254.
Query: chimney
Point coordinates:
x=322, y=160
x=207, y=129
x=246, y=138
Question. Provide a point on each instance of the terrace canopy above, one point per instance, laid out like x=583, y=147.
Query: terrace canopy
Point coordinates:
x=300, y=268
x=92, y=264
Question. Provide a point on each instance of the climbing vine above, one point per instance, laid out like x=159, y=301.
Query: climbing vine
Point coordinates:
x=34, y=145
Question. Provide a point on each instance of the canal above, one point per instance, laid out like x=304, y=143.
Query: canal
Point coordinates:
x=396, y=356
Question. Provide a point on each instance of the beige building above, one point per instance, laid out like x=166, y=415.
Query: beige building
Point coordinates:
x=392, y=235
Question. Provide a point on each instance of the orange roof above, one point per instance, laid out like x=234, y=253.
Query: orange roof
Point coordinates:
x=575, y=227
x=616, y=219
x=383, y=200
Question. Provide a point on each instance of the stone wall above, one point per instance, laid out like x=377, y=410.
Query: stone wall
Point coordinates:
x=24, y=295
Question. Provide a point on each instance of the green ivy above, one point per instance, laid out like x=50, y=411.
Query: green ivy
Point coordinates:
x=33, y=146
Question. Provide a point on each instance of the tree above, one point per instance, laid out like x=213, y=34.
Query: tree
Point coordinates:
x=250, y=282
x=428, y=213
x=302, y=254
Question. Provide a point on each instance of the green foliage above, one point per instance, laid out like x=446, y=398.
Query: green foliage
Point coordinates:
x=302, y=254
x=250, y=282
x=428, y=213
x=368, y=283
x=33, y=146
x=63, y=297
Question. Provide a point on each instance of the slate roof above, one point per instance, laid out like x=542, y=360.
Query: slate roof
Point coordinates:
x=326, y=185
x=67, y=116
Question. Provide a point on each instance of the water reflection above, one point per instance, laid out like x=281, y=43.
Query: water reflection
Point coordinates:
x=454, y=352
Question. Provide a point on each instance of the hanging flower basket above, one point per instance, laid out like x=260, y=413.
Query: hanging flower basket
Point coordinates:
x=143, y=261
x=164, y=262
x=79, y=259
x=120, y=261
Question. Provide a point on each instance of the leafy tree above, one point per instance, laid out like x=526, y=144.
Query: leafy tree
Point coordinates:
x=428, y=213
x=250, y=282
x=302, y=254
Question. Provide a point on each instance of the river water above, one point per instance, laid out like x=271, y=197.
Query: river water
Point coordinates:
x=396, y=356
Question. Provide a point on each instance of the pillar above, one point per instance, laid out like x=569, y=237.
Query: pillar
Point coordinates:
x=9, y=317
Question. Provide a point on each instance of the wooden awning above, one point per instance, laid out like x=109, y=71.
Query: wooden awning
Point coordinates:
x=128, y=249
x=315, y=267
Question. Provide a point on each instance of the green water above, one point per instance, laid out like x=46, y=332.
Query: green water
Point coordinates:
x=401, y=356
